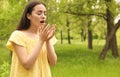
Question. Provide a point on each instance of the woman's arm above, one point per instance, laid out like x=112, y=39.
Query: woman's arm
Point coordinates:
x=52, y=57
x=26, y=59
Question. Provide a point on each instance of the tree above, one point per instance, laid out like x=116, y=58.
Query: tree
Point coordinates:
x=86, y=9
x=102, y=8
x=111, y=42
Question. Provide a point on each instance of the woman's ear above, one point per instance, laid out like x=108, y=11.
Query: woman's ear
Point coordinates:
x=28, y=16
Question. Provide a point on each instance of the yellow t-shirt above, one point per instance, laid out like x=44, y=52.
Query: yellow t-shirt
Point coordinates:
x=40, y=68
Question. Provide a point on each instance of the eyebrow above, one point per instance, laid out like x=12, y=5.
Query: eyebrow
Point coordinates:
x=41, y=11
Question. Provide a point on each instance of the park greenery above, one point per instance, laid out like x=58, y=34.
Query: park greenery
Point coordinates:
x=87, y=31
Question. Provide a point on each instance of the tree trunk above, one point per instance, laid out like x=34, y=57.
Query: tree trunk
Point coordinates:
x=89, y=36
x=114, y=47
x=108, y=41
x=61, y=35
x=69, y=41
x=83, y=35
x=90, y=39
x=68, y=31
x=113, y=43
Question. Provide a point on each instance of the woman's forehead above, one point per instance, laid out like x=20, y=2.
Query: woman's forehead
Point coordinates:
x=40, y=7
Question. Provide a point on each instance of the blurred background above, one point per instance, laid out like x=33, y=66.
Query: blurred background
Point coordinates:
x=87, y=31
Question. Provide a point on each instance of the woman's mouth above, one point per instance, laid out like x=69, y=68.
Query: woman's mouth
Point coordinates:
x=42, y=22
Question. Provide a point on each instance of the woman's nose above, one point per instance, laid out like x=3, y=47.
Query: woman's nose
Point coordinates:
x=43, y=16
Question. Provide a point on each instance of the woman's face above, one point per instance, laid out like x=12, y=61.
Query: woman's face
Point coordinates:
x=38, y=15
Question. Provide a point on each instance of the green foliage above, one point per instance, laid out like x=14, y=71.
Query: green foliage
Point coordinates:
x=11, y=12
x=4, y=52
x=9, y=16
x=112, y=7
x=99, y=28
x=5, y=60
x=5, y=69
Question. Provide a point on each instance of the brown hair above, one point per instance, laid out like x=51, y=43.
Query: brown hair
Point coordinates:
x=24, y=21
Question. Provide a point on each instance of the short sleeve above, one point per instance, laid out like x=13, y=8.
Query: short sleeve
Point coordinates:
x=17, y=38
x=53, y=40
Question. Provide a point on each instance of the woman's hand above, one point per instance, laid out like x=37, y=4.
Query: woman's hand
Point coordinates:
x=51, y=32
x=46, y=32
x=43, y=32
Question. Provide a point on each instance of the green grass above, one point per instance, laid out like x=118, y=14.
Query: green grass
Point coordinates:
x=76, y=60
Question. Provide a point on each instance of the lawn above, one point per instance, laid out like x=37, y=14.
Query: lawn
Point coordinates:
x=76, y=60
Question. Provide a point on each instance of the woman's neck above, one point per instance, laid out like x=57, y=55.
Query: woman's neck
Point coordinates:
x=33, y=29
x=31, y=32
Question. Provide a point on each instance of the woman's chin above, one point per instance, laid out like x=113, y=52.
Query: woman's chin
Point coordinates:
x=42, y=23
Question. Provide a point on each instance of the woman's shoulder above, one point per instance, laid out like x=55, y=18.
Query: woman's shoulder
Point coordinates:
x=24, y=34
x=16, y=37
x=17, y=33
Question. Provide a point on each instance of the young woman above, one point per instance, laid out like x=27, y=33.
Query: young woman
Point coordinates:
x=32, y=43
